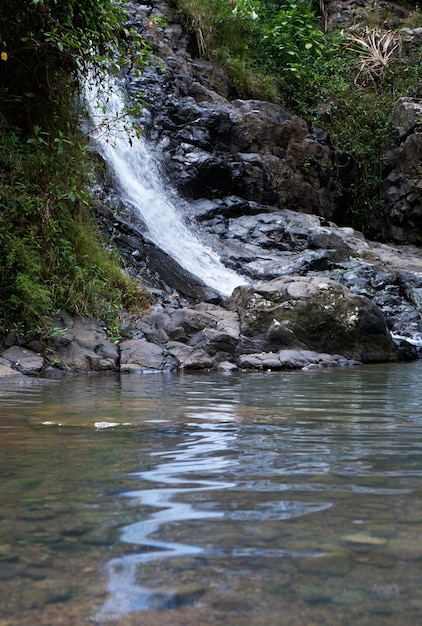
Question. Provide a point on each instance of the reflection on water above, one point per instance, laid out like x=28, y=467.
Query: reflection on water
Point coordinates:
x=259, y=499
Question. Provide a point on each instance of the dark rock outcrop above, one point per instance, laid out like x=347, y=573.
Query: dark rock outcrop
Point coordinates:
x=402, y=189
x=82, y=344
x=288, y=323
x=213, y=146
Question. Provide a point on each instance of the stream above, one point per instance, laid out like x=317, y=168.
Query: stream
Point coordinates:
x=185, y=499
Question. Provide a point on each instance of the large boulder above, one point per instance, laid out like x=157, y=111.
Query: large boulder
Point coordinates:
x=313, y=313
x=261, y=153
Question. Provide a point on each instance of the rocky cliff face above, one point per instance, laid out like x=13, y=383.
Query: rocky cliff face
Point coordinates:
x=213, y=146
x=402, y=189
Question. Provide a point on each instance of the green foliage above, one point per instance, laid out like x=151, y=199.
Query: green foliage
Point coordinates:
x=221, y=26
x=46, y=39
x=290, y=37
x=273, y=38
x=356, y=106
x=414, y=19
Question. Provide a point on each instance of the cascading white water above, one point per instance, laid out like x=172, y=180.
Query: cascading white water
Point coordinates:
x=140, y=185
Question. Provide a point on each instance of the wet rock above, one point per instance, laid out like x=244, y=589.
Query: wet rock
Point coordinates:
x=271, y=243
x=350, y=597
x=33, y=573
x=405, y=548
x=7, y=371
x=334, y=564
x=215, y=341
x=314, y=594
x=143, y=356
x=47, y=591
x=81, y=344
x=34, y=558
x=8, y=554
x=189, y=357
x=25, y=361
x=315, y=314
x=364, y=539
x=76, y=530
x=163, y=599
x=8, y=571
x=192, y=320
x=226, y=366
x=37, y=514
x=385, y=591
x=291, y=359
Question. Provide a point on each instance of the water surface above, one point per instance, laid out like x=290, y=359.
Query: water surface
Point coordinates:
x=258, y=499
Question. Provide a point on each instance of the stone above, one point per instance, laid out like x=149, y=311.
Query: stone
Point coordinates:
x=313, y=313
x=164, y=599
x=81, y=344
x=364, y=539
x=213, y=341
x=142, y=356
x=47, y=591
x=385, y=591
x=192, y=320
x=290, y=359
x=7, y=372
x=25, y=361
x=333, y=564
x=226, y=366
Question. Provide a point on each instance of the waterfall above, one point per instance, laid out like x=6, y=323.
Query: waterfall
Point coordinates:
x=141, y=186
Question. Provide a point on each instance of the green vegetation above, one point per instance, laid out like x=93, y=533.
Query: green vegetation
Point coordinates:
x=51, y=254
x=278, y=50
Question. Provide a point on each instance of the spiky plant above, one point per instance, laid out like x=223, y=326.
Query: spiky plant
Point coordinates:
x=375, y=51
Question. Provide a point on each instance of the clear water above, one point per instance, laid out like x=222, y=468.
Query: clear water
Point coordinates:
x=259, y=499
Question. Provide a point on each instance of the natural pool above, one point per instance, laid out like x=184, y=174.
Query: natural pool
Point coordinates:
x=247, y=500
